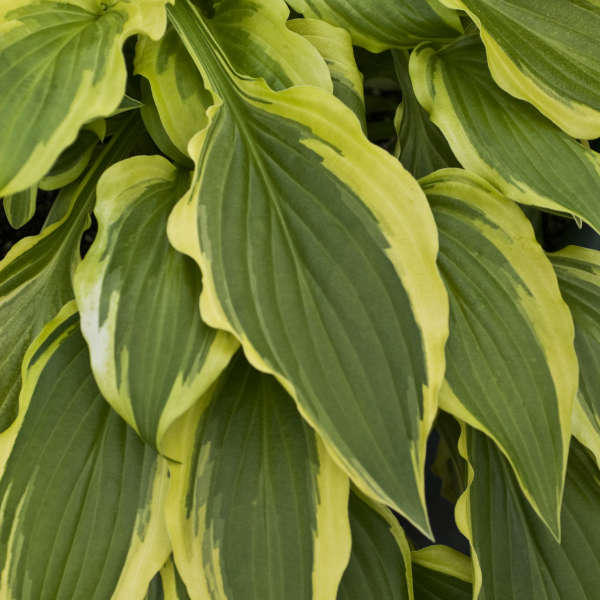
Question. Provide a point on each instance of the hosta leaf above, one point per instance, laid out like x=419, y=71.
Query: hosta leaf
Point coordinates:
x=318, y=252
x=515, y=556
x=128, y=103
x=420, y=146
x=74, y=159
x=167, y=585
x=19, y=208
x=380, y=564
x=505, y=140
x=257, y=509
x=81, y=497
x=335, y=46
x=441, y=573
x=254, y=36
x=578, y=271
x=151, y=354
x=448, y=465
x=385, y=24
x=60, y=66
x=35, y=275
x=545, y=52
x=511, y=364
x=177, y=87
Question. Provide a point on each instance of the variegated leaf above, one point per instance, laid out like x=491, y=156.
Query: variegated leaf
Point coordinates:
x=254, y=36
x=35, y=275
x=511, y=366
x=167, y=585
x=19, y=208
x=81, y=497
x=335, y=46
x=179, y=93
x=420, y=145
x=514, y=554
x=578, y=271
x=152, y=355
x=61, y=66
x=257, y=509
x=381, y=24
x=380, y=564
x=318, y=252
x=545, y=52
x=441, y=573
x=505, y=140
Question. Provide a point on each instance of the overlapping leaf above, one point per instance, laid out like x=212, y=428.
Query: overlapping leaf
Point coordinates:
x=257, y=509
x=335, y=46
x=35, y=276
x=318, y=252
x=167, y=585
x=61, y=66
x=381, y=24
x=578, y=271
x=546, y=52
x=511, y=364
x=441, y=573
x=420, y=145
x=515, y=555
x=152, y=355
x=179, y=93
x=505, y=140
x=380, y=563
x=81, y=497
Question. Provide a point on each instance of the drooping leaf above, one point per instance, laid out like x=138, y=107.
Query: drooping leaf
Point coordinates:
x=420, y=145
x=35, y=275
x=177, y=88
x=545, y=52
x=515, y=556
x=441, y=573
x=81, y=497
x=335, y=46
x=257, y=509
x=257, y=43
x=318, y=252
x=511, y=365
x=505, y=140
x=19, y=208
x=61, y=66
x=152, y=355
x=382, y=24
x=74, y=159
x=578, y=271
x=380, y=565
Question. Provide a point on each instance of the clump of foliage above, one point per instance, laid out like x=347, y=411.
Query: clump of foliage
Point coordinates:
x=294, y=285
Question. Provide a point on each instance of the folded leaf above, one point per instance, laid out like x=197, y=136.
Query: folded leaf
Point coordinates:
x=20, y=207
x=318, y=252
x=381, y=24
x=257, y=509
x=380, y=565
x=441, y=573
x=515, y=556
x=505, y=140
x=420, y=146
x=511, y=365
x=578, y=271
x=81, y=497
x=35, y=275
x=152, y=355
x=545, y=52
x=61, y=66
x=179, y=93
x=335, y=46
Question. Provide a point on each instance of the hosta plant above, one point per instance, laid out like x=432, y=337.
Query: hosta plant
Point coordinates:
x=320, y=272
